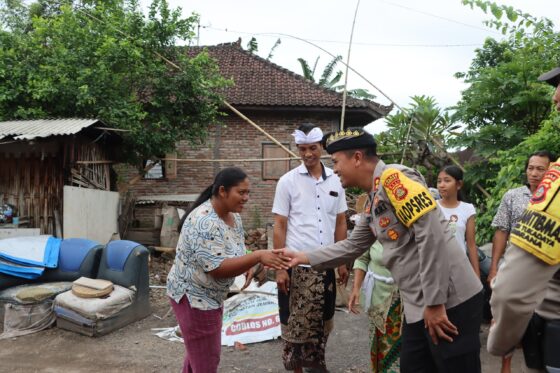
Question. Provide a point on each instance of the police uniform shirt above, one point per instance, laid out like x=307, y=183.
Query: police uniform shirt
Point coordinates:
x=529, y=281
x=427, y=263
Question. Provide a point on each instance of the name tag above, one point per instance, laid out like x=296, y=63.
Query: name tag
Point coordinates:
x=380, y=209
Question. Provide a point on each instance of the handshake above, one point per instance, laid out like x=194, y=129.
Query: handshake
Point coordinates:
x=281, y=258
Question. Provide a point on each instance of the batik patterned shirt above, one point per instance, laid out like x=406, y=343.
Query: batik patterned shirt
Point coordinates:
x=512, y=206
x=205, y=241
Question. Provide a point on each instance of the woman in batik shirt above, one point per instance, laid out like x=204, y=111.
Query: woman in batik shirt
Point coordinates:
x=210, y=254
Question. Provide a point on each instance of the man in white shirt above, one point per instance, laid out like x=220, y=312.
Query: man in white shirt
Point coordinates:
x=309, y=211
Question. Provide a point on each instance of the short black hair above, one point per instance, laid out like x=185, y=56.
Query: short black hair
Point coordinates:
x=370, y=153
x=541, y=153
x=306, y=127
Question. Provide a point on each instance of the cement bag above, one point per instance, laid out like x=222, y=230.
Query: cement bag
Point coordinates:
x=252, y=315
x=168, y=235
x=22, y=319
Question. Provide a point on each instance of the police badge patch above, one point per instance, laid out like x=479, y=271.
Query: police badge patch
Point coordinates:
x=410, y=199
x=538, y=229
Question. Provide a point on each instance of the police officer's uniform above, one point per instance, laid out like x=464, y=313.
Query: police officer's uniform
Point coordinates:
x=424, y=258
x=529, y=281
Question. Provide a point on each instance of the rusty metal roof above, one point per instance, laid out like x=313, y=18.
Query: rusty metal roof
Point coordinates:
x=31, y=129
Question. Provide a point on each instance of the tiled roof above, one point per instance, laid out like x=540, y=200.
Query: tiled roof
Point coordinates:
x=30, y=129
x=258, y=82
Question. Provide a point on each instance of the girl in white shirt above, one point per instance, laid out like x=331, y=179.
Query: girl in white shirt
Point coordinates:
x=461, y=215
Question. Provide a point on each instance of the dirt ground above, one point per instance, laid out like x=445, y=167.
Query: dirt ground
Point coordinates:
x=135, y=348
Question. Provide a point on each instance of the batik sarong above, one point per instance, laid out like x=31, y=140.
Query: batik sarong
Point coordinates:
x=306, y=316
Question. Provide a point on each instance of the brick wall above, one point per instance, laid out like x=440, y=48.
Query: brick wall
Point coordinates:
x=234, y=139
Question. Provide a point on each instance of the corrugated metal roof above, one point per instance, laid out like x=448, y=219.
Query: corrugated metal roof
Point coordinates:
x=30, y=129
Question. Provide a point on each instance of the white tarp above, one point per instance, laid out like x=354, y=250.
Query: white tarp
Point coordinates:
x=34, y=250
x=26, y=257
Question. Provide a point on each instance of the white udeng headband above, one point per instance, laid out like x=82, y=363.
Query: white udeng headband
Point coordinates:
x=315, y=135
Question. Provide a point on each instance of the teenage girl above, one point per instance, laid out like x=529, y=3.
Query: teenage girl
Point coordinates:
x=461, y=215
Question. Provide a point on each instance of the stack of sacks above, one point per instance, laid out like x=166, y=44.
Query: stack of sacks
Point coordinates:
x=27, y=257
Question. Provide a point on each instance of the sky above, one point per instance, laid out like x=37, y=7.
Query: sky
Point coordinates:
x=403, y=47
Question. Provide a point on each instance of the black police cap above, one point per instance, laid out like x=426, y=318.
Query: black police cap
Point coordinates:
x=552, y=77
x=351, y=138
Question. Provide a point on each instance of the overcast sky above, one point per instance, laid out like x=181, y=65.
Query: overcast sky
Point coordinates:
x=404, y=47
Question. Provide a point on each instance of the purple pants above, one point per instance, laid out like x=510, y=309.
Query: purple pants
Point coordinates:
x=202, y=333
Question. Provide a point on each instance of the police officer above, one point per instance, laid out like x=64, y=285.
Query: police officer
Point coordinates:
x=526, y=293
x=441, y=294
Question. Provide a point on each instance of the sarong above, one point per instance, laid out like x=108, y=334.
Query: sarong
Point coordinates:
x=386, y=347
x=306, y=316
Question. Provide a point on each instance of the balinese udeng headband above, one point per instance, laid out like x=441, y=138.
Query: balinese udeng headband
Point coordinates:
x=315, y=135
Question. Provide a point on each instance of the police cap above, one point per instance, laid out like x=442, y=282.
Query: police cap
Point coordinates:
x=351, y=138
x=552, y=77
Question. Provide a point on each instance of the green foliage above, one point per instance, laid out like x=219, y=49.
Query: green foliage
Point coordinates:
x=271, y=53
x=430, y=128
x=506, y=111
x=96, y=59
x=504, y=102
x=327, y=79
x=511, y=165
x=253, y=47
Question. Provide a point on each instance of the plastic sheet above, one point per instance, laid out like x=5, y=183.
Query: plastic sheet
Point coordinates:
x=23, y=319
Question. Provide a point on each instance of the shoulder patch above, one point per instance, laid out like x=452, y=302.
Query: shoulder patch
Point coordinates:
x=538, y=230
x=410, y=199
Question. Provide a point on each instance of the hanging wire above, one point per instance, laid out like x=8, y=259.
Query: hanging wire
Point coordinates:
x=397, y=45
x=345, y=91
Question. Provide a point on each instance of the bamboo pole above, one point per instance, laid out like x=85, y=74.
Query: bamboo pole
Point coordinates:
x=228, y=105
x=345, y=92
x=178, y=68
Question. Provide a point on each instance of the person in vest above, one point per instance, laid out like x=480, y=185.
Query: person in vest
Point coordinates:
x=526, y=290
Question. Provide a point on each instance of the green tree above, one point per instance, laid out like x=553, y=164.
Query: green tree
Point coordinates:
x=504, y=103
x=511, y=174
x=430, y=131
x=99, y=59
x=507, y=112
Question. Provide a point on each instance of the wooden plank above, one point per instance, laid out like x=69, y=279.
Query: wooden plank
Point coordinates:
x=90, y=213
x=144, y=238
x=170, y=166
x=162, y=249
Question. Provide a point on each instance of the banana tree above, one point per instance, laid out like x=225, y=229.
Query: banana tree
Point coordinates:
x=422, y=131
x=327, y=79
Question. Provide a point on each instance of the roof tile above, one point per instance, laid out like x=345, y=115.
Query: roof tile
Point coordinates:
x=258, y=82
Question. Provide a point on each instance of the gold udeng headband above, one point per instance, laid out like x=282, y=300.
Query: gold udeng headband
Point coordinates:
x=342, y=135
